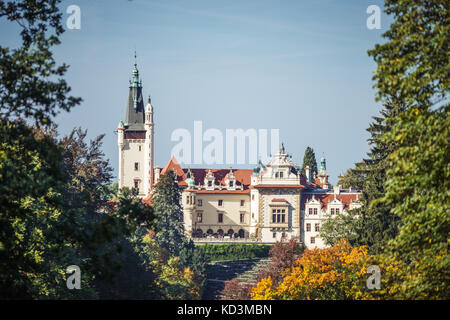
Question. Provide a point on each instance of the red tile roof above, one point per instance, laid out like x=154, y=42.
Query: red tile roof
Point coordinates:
x=243, y=176
x=327, y=197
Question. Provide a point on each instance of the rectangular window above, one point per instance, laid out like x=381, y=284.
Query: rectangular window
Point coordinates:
x=220, y=218
x=220, y=203
x=313, y=240
x=200, y=202
x=136, y=166
x=337, y=210
x=274, y=218
x=253, y=197
x=136, y=184
x=242, y=203
x=199, y=217
x=274, y=235
x=317, y=227
x=332, y=210
x=283, y=218
x=140, y=148
x=310, y=211
x=242, y=218
x=281, y=174
x=187, y=199
x=315, y=210
x=231, y=184
x=308, y=227
x=209, y=183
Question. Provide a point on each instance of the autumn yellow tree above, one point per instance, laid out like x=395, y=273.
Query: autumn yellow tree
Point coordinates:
x=338, y=272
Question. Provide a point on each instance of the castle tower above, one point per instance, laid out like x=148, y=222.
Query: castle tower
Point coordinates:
x=135, y=140
x=189, y=200
x=149, y=148
x=323, y=175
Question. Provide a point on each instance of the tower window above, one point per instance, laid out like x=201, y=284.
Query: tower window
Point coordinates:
x=140, y=148
x=220, y=203
x=200, y=202
x=199, y=217
x=209, y=183
x=220, y=218
x=242, y=218
x=136, y=166
x=242, y=203
x=136, y=184
x=231, y=184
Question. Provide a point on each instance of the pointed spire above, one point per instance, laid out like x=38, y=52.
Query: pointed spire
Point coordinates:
x=135, y=73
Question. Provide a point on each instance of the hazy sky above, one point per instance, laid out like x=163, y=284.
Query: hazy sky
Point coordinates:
x=299, y=66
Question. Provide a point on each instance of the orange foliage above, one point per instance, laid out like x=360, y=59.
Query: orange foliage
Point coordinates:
x=338, y=272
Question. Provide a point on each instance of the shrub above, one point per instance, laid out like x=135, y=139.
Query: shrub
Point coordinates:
x=222, y=252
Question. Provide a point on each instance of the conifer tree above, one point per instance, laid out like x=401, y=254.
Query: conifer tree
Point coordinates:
x=373, y=224
x=309, y=159
x=169, y=214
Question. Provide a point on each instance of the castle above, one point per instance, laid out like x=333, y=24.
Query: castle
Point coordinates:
x=272, y=202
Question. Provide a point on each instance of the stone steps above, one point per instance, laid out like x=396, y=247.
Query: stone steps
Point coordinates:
x=219, y=272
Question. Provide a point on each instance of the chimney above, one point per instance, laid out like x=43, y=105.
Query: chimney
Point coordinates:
x=308, y=174
x=157, y=173
x=337, y=189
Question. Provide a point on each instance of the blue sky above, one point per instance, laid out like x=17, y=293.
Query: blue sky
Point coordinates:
x=300, y=66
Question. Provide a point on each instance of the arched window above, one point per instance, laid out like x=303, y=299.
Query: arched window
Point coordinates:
x=230, y=232
x=241, y=233
x=198, y=233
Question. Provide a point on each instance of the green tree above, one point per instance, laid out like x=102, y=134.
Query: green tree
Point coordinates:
x=412, y=65
x=309, y=159
x=373, y=224
x=354, y=177
x=53, y=209
x=166, y=201
x=31, y=83
x=413, y=68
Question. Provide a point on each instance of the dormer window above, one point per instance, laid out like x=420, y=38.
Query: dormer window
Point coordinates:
x=209, y=180
x=230, y=180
